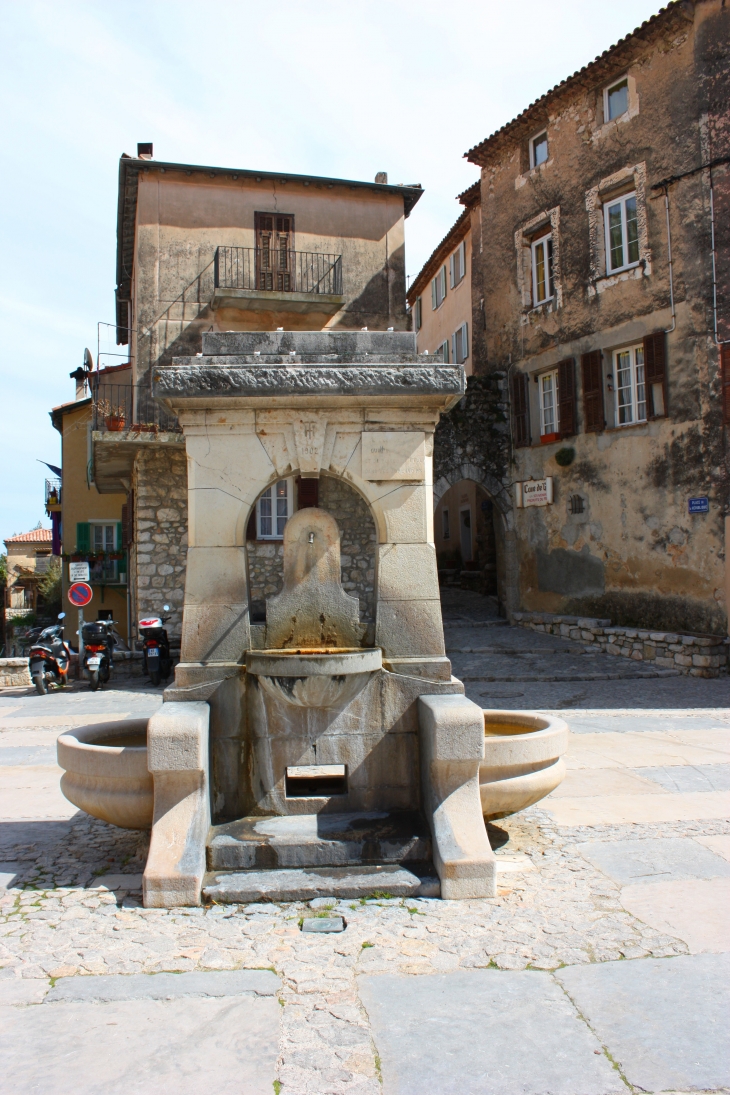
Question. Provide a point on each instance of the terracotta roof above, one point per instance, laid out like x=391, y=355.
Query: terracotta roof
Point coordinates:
x=471, y=195
x=603, y=67
x=455, y=235
x=35, y=536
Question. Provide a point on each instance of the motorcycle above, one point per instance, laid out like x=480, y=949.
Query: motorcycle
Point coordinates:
x=49, y=658
x=156, y=647
x=99, y=643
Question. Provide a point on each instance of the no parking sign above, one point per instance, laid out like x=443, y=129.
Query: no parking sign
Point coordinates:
x=80, y=593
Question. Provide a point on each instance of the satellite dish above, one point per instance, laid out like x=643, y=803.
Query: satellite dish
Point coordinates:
x=88, y=361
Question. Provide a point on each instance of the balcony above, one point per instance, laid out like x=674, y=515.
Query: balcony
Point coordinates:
x=126, y=418
x=53, y=495
x=279, y=281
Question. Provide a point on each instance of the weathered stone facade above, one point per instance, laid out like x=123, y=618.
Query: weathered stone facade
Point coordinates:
x=357, y=550
x=161, y=533
x=619, y=538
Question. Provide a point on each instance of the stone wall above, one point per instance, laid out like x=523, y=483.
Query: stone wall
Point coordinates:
x=357, y=545
x=694, y=655
x=161, y=534
x=14, y=672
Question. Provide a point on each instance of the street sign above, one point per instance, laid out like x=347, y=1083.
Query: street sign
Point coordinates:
x=699, y=505
x=78, y=572
x=80, y=593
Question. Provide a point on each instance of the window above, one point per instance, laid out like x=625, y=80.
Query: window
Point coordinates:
x=460, y=345
x=629, y=385
x=538, y=150
x=622, y=233
x=273, y=510
x=457, y=265
x=616, y=100
x=548, y=388
x=445, y=526
x=274, y=252
x=542, y=270
x=418, y=313
x=438, y=289
x=444, y=350
x=103, y=540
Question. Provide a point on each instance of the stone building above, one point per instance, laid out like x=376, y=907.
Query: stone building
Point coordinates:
x=600, y=306
x=29, y=556
x=207, y=249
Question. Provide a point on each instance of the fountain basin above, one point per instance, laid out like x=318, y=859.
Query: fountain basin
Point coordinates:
x=315, y=677
x=523, y=760
x=106, y=772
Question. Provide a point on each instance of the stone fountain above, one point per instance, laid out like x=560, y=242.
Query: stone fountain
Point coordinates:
x=325, y=749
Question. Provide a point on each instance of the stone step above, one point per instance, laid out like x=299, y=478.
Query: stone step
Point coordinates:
x=304, y=884
x=319, y=840
x=543, y=678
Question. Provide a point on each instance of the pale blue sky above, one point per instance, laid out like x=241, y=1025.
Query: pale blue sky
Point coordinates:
x=328, y=88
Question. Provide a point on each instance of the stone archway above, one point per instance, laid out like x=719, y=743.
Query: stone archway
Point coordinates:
x=474, y=534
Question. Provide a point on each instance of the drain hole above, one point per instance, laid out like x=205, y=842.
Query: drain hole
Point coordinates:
x=316, y=780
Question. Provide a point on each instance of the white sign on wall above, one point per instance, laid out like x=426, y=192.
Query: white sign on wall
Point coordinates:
x=78, y=572
x=534, y=492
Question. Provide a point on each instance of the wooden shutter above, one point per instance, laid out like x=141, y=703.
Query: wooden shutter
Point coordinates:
x=464, y=341
x=521, y=409
x=120, y=536
x=593, y=412
x=725, y=382
x=433, y=294
x=566, y=398
x=83, y=536
x=307, y=493
x=655, y=374
x=452, y=271
x=124, y=524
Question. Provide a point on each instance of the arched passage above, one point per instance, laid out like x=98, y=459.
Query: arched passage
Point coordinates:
x=474, y=538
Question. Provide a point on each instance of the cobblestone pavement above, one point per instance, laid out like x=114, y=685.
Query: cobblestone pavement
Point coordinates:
x=72, y=907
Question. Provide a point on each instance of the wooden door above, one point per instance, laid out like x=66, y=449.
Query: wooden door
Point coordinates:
x=275, y=252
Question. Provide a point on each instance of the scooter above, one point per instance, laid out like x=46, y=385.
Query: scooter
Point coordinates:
x=49, y=658
x=99, y=643
x=156, y=647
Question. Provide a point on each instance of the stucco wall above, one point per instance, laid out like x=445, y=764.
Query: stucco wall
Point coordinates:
x=456, y=308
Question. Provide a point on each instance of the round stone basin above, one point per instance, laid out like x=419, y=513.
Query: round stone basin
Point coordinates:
x=523, y=760
x=106, y=772
x=315, y=677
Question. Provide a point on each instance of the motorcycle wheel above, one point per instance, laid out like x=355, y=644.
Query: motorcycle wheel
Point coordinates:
x=39, y=680
x=93, y=679
x=155, y=677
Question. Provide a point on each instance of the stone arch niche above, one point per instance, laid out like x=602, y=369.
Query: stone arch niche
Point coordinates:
x=358, y=546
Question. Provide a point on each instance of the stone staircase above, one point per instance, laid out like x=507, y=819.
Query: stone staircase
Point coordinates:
x=303, y=856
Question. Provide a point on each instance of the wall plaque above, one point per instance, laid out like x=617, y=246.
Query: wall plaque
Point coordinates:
x=534, y=492
x=394, y=455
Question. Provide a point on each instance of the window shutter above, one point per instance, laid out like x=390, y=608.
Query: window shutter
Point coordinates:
x=307, y=493
x=433, y=294
x=462, y=259
x=464, y=341
x=454, y=349
x=445, y=348
x=725, y=382
x=124, y=525
x=120, y=536
x=451, y=270
x=521, y=409
x=83, y=536
x=592, y=370
x=655, y=374
x=251, y=526
x=566, y=397
x=443, y=282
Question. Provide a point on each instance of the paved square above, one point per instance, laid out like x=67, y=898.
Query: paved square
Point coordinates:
x=483, y=1032
x=665, y=1021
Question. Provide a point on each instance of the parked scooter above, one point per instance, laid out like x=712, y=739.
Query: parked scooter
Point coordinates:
x=49, y=658
x=99, y=643
x=156, y=647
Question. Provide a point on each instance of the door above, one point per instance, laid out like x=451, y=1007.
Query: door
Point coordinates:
x=275, y=253
x=465, y=528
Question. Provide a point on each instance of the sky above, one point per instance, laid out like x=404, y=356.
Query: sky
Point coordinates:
x=323, y=88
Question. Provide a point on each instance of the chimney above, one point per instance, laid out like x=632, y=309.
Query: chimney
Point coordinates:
x=381, y=177
x=80, y=377
x=144, y=151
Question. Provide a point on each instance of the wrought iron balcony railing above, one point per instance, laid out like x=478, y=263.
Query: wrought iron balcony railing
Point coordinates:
x=269, y=269
x=53, y=492
x=118, y=407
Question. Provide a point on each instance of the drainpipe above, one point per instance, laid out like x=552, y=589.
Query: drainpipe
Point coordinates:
x=671, y=265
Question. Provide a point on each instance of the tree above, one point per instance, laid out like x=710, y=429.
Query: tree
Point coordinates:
x=49, y=588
